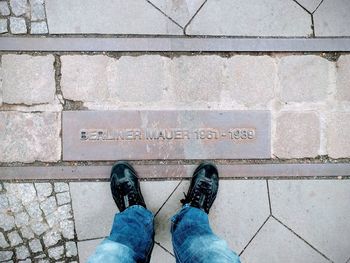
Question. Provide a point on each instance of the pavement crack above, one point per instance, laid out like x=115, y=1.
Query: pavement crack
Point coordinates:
x=195, y=14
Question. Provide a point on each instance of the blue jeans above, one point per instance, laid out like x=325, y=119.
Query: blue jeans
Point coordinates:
x=131, y=238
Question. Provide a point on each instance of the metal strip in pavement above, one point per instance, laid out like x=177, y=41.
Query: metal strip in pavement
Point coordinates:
x=176, y=171
x=174, y=44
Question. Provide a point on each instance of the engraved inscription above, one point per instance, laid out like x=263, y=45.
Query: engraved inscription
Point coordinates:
x=234, y=134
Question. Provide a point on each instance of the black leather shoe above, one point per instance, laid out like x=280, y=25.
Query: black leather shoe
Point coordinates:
x=125, y=186
x=204, y=187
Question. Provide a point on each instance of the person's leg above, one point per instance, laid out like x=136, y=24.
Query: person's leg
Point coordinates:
x=193, y=239
x=132, y=235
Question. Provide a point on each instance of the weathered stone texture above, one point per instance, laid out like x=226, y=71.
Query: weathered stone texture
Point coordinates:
x=38, y=28
x=3, y=29
x=19, y=7
x=37, y=10
x=338, y=137
x=297, y=135
x=4, y=8
x=18, y=25
x=87, y=78
x=251, y=79
x=28, y=79
x=197, y=78
x=26, y=137
x=141, y=79
x=304, y=78
x=343, y=78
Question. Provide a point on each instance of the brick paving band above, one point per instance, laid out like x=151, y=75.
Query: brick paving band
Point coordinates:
x=178, y=44
x=94, y=172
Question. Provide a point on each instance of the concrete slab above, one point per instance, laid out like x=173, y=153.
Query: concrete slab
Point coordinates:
x=318, y=211
x=251, y=18
x=160, y=255
x=332, y=18
x=181, y=11
x=94, y=208
x=310, y=5
x=275, y=244
x=111, y=17
x=86, y=248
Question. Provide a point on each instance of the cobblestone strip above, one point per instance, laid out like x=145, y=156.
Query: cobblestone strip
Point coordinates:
x=23, y=17
x=36, y=223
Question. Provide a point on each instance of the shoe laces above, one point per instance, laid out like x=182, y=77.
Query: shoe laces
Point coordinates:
x=126, y=189
x=201, y=191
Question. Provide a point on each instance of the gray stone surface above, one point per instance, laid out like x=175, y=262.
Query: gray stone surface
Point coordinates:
x=141, y=79
x=332, y=18
x=28, y=79
x=27, y=232
x=87, y=78
x=35, y=246
x=229, y=216
x=160, y=255
x=56, y=252
x=14, y=238
x=304, y=78
x=338, y=135
x=4, y=8
x=39, y=227
x=21, y=219
x=343, y=81
x=37, y=10
x=22, y=252
x=251, y=79
x=61, y=187
x=197, y=78
x=114, y=17
x=181, y=11
x=43, y=190
x=5, y=255
x=86, y=248
x=33, y=210
x=19, y=7
x=310, y=5
x=63, y=198
x=3, y=242
x=317, y=210
x=251, y=18
x=38, y=28
x=51, y=238
x=49, y=205
x=97, y=195
x=275, y=244
x=18, y=25
x=297, y=135
x=40, y=141
x=3, y=29
x=71, y=249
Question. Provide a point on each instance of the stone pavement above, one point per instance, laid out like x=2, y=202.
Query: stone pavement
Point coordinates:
x=258, y=18
x=262, y=220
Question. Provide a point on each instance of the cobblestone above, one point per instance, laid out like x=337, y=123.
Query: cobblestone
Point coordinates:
x=4, y=203
x=297, y=135
x=27, y=232
x=56, y=252
x=22, y=252
x=18, y=7
x=343, y=81
x=37, y=10
x=61, y=187
x=35, y=246
x=71, y=249
x=51, y=238
x=21, y=219
x=63, y=198
x=7, y=222
x=19, y=86
x=49, y=205
x=38, y=28
x=33, y=210
x=39, y=227
x=311, y=84
x=4, y=8
x=43, y=190
x=14, y=238
x=5, y=255
x=3, y=242
x=18, y=25
x=3, y=28
x=40, y=142
x=338, y=135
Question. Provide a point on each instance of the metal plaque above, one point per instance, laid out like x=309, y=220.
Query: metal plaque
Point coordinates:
x=165, y=134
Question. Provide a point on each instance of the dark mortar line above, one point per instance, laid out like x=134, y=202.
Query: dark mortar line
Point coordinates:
x=166, y=250
x=295, y=1
x=195, y=14
x=163, y=13
x=257, y=232
x=318, y=6
x=313, y=25
x=301, y=238
x=177, y=186
x=268, y=196
x=348, y=261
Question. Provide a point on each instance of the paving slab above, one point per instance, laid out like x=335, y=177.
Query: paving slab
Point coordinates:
x=87, y=248
x=113, y=17
x=338, y=134
x=37, y=140
x=343, y=81
x=160, y=255
x=297, y=135
x=275, y=243
x=97, y=222
x=311, y=84
x=310, y=5
x=332, y=19
x=318, y=211
x=28, y=79
x=251, y=18
x=181, y=11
